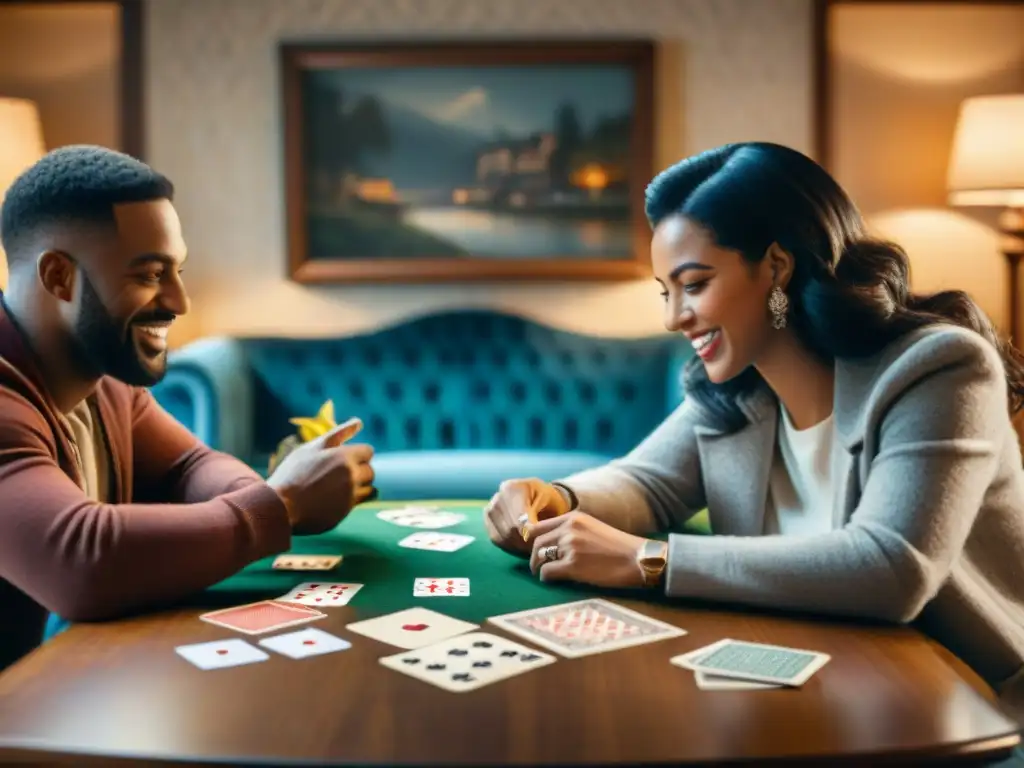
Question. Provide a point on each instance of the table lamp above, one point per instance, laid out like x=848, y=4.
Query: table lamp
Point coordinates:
x=21, y=144
x=986, y=169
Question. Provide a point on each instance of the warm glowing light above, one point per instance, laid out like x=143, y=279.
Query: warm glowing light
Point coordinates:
x=986, y=166
x=21, y=144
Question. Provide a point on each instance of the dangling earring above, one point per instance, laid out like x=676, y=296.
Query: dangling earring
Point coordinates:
x=778, y=305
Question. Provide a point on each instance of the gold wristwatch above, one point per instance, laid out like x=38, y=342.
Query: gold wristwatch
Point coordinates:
x=652, y=558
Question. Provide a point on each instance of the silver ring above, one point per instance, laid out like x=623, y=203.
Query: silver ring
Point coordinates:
x=549, y=553
x=523, y=520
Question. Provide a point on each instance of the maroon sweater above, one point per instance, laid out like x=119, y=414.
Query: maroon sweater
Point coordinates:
x=181, y=516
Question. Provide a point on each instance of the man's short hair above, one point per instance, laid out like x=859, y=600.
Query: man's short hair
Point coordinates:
x=77, y=183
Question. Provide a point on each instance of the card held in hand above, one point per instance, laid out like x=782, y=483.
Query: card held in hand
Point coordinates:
x=264, y=616
x=585, y=627
x=468, y=662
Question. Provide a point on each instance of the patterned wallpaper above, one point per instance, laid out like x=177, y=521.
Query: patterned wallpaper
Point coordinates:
x=743, y=72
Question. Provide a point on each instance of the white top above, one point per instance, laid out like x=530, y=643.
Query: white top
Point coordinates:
x=800, y=484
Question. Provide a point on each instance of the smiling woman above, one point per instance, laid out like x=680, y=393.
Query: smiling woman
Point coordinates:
x=776, y=239
x=851, y=441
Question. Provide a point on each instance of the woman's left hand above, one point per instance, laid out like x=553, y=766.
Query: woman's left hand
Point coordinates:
x=588, y=551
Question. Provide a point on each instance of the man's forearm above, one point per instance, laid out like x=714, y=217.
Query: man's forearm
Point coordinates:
x=86, y=561
x=204, y=474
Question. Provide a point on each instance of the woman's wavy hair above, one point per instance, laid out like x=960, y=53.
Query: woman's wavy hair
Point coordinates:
x=849, y=293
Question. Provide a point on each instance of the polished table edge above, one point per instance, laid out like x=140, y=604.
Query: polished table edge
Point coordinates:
x=981, y=752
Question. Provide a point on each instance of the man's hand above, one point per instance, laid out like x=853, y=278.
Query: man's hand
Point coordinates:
x=320, y=481
x=517, y=503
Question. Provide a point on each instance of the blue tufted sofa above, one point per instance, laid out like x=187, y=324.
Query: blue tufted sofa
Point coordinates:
x=453, y=402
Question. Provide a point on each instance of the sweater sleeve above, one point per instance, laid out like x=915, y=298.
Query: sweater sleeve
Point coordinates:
x=938, y=450
x=88, y=561
x=171, y=464
x=657, y=485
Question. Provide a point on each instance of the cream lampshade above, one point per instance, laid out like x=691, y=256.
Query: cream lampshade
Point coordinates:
x=986, y=168
x=21, y=144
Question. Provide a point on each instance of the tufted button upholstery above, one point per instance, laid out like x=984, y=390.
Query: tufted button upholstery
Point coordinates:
x=473, y=380
x=466, y=380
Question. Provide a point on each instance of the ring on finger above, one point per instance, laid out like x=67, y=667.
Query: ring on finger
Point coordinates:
x=547, y=554
x=523, y=521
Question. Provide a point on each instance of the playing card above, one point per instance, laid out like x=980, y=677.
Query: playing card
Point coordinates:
x=221, y=653
x=585, y=627
x=264, y=616
x=707, y=682
x=321, y=594
x=468, y=662
x=426, y=587
x=306, y=562
x=438, y=542
x=421, y=517
x=743, y=660
x=305, y=642
x=411, y=628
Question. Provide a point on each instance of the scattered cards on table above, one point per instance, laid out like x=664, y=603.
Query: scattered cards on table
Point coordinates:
x=468, y=662
x=264, y=616
x=758, y=665
x=306, y=562
x=437, y=542
x=221, y=653
x=322, y=594
x=456, y=655
x=426, y=587
x=585, y=627
x=411, y=628
x=305, y=642
x=421, y=517
x=234, y=652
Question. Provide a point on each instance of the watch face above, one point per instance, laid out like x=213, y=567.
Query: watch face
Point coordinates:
x=654, y=554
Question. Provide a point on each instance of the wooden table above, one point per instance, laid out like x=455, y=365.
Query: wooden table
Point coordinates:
x=116, y=693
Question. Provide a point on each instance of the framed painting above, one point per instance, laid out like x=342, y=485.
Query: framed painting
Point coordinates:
x=483, y=161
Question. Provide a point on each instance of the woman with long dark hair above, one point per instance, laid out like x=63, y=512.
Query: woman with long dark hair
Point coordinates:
x=850, y=440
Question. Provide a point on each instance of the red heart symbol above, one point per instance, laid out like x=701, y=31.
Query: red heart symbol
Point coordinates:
x=221, y=651
x=309, y=642
x=414, y=627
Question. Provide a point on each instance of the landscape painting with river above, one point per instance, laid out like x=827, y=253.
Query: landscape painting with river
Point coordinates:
x=507, y=162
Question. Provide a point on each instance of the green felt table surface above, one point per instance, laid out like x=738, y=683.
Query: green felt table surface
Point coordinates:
x=499, y=582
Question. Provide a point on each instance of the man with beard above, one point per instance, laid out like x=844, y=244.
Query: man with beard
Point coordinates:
x=107, y=504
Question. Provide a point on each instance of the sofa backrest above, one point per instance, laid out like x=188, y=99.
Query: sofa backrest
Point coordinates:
x=471, y=379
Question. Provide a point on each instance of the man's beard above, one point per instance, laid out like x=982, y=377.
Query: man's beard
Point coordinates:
x=104, y=347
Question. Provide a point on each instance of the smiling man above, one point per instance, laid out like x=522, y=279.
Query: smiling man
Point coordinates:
x=107, y=504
